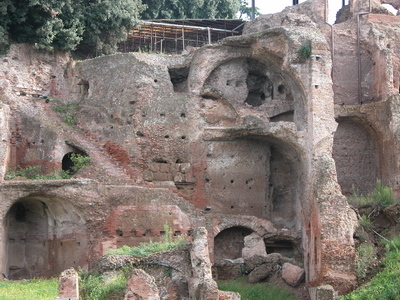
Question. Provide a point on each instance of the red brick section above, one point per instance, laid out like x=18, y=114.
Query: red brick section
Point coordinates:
x=198, y=169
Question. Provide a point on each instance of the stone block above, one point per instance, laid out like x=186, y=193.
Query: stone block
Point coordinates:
x=260, y=273
x=165, y=168
x=323, y=292
x=141, y=286
x=228, y=295
x=293, y=275
x=253, y=245
x=185, y=168
x=68, y=284
x=148, y=176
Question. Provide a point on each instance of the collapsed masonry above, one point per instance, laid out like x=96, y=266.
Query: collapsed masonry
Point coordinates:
x=239, y=137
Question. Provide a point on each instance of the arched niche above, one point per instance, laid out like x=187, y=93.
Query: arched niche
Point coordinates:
x=255, y=176
x=228, y=244
x=355, y=152
x=249, y=82
x=42, y=237
x=68, y=164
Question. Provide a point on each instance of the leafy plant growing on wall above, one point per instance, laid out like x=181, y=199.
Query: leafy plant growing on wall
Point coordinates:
x=304, y=52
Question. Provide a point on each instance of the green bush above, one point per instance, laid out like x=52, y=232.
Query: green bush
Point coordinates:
x=79, y=161
x=94, y=286
x=304, y=52
x=258, y=291
x=386, y=284
x=145, y=249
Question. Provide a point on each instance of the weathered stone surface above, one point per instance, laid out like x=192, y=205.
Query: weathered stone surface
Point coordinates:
x=201, y=286
x=253, y=245
x=293, y=275
x=257, y=260
x=68, y=284
x=228, y=295
x=323, y=292
x=261, y=272
x=141, y=286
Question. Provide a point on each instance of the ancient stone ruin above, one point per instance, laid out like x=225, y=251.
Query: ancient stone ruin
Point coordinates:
x=246, y=138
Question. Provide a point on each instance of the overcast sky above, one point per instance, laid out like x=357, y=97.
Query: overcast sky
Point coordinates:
x=273, y=6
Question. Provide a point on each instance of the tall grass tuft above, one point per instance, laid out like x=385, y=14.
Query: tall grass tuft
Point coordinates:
x=381, y=196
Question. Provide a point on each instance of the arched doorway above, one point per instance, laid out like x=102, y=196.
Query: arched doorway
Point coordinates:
x=42, y=238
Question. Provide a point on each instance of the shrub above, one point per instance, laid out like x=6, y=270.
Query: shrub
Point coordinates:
x=145, y=249
x=79, y=161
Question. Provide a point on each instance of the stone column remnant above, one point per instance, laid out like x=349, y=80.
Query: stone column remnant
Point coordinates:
x=68, y=286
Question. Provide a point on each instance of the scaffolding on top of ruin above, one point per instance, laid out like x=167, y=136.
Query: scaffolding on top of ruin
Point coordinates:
x=177, y=36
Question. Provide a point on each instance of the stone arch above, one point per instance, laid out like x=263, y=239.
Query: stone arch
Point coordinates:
x=356, y=155
x=228, y=243
x=255, y=82
x=43, y=236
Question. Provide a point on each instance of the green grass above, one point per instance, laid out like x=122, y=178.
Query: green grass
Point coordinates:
x=380, y=197
x=33, y=289
x=258, y=291
x=94, y=286
x=386, y=284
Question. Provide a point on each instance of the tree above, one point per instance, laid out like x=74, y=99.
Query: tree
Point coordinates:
x=246, y=11
x=92, y=26
x=190, y=9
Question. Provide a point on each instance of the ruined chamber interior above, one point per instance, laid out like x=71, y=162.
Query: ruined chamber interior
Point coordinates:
x=250, y=174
